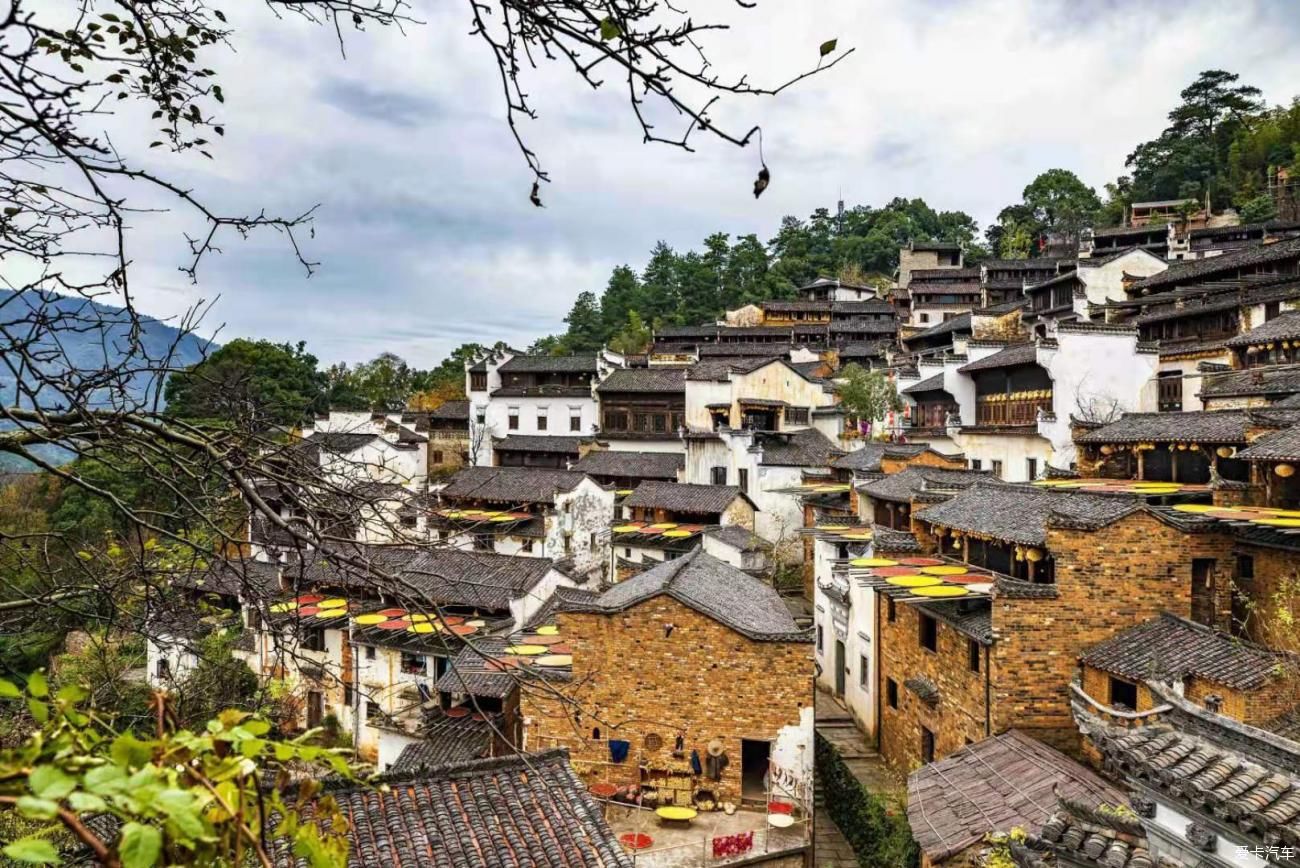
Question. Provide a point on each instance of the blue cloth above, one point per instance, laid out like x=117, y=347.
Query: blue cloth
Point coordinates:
x=695, y=762
x=618, y=750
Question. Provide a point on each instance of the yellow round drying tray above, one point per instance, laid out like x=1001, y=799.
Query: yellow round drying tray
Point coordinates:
x=944, y=570
x=913, y=581
x=526, y=650
x=548, y=630
x=366, y=620
x=942, y=591
x=676, y=813
x=874, y=562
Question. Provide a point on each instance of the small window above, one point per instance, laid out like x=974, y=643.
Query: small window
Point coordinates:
x=478, y=381
x=512, y=419
x=480, y=416
x=718, y=475
x=527, y=547
x=891, y=610
x=1031, y=468
x=973, y=655
x=575, y=422
x=407, y=521
x=1245, y=567
x=744, y=480
x=348, y=695
x=370, y=652
x=976, y=464
x=997, y=469
x=1123, y=693
x=925, y=317
x=796, y=415
x=1272, y=310
x=164, y=668
x=820, y=638
x=541, y=420
x=929, y=633
x=436, y=456
x=314, y=640
x=372, y=711
x=413, y=664
x=891, y=692
x=927, y=745
x=864, y=671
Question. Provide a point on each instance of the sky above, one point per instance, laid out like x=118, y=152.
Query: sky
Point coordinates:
x=424, y=233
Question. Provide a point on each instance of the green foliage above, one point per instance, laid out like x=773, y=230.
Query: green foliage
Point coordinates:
x=179, y=797
x=634, y=338
x=258, y=382
x=383, y=384
x=1056, y=204
x=875, y=825
x=867, y=395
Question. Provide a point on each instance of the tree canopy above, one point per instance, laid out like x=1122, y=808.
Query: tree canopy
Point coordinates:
x=270, y=383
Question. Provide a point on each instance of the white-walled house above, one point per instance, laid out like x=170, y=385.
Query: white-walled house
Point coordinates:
x=520, y=394
x=555, y=514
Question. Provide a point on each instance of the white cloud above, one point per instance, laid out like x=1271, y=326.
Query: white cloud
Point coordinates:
x=425, y=233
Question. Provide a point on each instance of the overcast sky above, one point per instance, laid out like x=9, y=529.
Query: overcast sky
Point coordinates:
x=425, y=235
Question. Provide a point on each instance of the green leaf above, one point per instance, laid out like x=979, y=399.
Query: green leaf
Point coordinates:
x=105, y=780
x=609, y=30
x=39, y=710
x=140, y=846
x=82, y=802
x=32, y=850
x=252, y=747
x=283, y=752
x=37, y=685
x=128, y=751
x=8, y=690
x=37, y=809
x=50, y=782
x=828, y=46
x=72, y=693
x=257, y=727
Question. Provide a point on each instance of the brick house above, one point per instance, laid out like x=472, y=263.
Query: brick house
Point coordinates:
x=685, y=653
x=659, y=521
x=1071, y=570
x=1238, y=679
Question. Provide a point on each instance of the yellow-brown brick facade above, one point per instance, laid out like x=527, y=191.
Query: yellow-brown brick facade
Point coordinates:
x=633, y=677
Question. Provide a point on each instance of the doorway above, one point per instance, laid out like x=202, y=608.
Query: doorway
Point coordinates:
x=839, y=668
x=754, y=756
x=315, y=708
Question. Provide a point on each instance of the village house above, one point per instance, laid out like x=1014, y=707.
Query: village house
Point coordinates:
x=516, y=394
x=555, y=514
x=927, y=255
x=689, y=675
x=357, y=447
x=664, y=520
x=1211, y=668
x=1005, y=280
x=739, y=547
x=643, y=409
x=1068, y=570
x=447, y=427
x=939, y=294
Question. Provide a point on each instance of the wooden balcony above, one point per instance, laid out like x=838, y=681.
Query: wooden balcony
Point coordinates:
x=992, y=410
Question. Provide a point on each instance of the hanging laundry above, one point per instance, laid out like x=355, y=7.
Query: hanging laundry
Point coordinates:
x=695, y=762
x=618, y=749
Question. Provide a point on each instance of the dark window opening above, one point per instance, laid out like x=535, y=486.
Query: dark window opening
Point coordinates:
x=314, y=640
x=413, y=664
x=891, y=692
x=575, y=423
x=929, y=633
x=718, y=475
x=820, y=637
x=973, y=655
x=370, y=652
x=1123, y=694
x=478, y=381
x=164, y=668
x=744, y=480
x=891, y=610
x=1171, y=391
x=864, y=671
x=927, y=745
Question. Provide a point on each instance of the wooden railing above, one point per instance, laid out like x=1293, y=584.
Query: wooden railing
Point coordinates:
x=1023, y=411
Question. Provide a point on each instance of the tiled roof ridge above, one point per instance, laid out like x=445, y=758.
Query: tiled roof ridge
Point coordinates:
x=459, y=769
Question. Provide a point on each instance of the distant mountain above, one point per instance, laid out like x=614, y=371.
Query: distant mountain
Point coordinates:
x=85, y=344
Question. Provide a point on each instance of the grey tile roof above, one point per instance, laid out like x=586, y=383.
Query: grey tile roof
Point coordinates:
x=682, y=497
x=973, y=618
x=446, y=741
x=868, y=458
x=1226, y=426
x=451, y=410
x=1229, y=785
x=522, y=810
x=711, y=587
x=638, y=465
x=1022, y=514
x=510, y=484
x=960, y=323
x=740, y=538
x=234, y=577
x=870, y=305
x=886, y=539
x=930, y=384
x=1278, y=381
x=993, y=785
x=1171, y=648
x=925, y=689
x=1017, y=354
x=538, y=364
x=1220, y=266
x=1281, y=445
x=340, y=441
x=1280, y=328
x=736, y=351
x=940, y=246
x=468, y=671
x=910, y=482
x=439, y=576
x=657, y=379
x=721, y=369
x=1289, y=402
x=540, y=443
x=807, y=447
